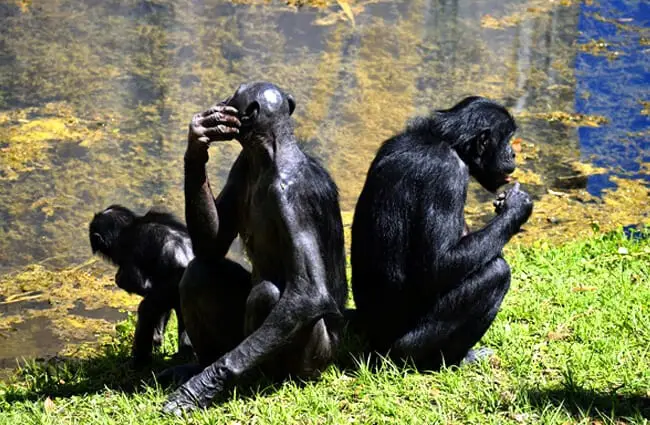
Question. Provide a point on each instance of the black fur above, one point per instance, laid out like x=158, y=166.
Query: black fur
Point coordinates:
x=425, y=287
x=284, y=316
x=151, y=253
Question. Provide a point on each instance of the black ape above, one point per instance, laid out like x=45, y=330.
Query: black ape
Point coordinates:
x=152, y=252
x=425, y=287
x=285, y=315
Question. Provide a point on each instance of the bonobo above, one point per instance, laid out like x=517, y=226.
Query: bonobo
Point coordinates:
x=426, y=288
x=284, y=316
x=151, y=253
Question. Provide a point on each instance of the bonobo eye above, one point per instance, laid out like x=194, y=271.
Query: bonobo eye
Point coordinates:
x=482, y=141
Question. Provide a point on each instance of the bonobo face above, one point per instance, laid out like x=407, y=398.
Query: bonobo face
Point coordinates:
x=495, y=163
x=260, y=106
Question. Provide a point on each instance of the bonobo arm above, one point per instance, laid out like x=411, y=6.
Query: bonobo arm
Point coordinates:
x=211, y=224
x=476, y=249
x=129, y=278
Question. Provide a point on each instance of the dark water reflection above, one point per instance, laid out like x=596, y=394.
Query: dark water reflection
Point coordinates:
x=95, y=97
x=615, y=89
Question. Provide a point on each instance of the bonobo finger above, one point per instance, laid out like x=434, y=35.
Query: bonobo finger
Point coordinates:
x=221, y=132
x=220, y=108
x=219, y=118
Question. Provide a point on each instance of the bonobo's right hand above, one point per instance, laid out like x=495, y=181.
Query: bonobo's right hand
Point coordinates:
x=218, y=123
x=516, y=200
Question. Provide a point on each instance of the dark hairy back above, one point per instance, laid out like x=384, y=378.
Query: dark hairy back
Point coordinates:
x=394, y=220
x=320, y=199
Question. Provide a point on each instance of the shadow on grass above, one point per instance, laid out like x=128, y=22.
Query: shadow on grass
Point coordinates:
x=110, y=369
x=66, y=377
x=580, y=402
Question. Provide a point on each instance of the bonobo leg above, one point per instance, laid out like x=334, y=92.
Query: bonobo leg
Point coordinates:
x=314, y=350
x=457, y=320
x=213, y=302
x=159, y=330
x=153, y=313
x=184, y=344
x=311, y=351
x=261, y=300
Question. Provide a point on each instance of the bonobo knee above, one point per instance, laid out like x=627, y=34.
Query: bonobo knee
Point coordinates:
x=500, y=268
x=263, y=294
x=260, y=302
x=197, y=274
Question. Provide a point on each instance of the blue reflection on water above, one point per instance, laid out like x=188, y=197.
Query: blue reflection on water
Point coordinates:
x=613, y=88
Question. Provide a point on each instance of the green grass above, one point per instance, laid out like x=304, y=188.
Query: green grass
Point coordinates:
x=572, y=345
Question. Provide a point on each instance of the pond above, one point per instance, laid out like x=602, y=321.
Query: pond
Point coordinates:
x=96, y=95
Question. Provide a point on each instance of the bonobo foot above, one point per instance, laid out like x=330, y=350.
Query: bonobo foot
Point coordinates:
x=179, y=403
x=476, y=355
x=197, y=393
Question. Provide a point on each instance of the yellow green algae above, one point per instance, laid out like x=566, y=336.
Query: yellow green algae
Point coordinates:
x=526, y=10
x=95, y=100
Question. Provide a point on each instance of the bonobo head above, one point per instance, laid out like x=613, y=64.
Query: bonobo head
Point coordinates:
x=261, y=106
x=105, y=228
x=480, y=131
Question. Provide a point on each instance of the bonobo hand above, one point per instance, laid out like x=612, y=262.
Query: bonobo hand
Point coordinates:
x=514, y=199
x=218, y=123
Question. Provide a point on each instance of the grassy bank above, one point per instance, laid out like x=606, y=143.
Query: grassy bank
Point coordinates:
x=572, y=345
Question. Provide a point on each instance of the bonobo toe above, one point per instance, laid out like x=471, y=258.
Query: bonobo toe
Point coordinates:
x=476, y=355
x=178, y=405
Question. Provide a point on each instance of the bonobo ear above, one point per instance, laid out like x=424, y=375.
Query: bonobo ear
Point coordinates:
x=292, y=103
x=482, y=141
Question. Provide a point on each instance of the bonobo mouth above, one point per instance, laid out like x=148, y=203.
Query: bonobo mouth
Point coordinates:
x=495, y=181
x=504, y=180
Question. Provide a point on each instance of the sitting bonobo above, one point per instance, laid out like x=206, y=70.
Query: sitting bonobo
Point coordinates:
x=151, y=252
x=426, y=288
x=284, y=316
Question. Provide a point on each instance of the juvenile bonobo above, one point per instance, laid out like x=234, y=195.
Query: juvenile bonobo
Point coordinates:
x=426, y=287
x=151, y=252
x=284, y=316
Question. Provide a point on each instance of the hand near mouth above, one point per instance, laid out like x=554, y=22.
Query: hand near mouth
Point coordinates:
x=217, y=124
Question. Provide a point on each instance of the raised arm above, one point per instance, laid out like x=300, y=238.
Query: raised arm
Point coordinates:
x=209, y=222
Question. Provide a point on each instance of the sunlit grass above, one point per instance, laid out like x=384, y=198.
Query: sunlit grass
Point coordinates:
x=572, y=345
